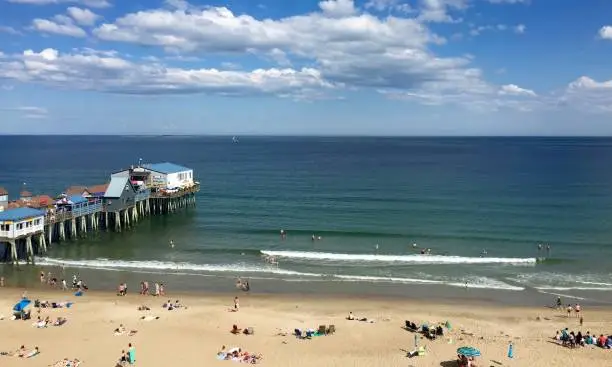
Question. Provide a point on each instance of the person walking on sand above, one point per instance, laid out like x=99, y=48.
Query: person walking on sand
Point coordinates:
x=131, y=354
x=64, y=285
x=577, y=310
x=236, y=304
x=156, y=289
x=569, y=310
x=162, y=289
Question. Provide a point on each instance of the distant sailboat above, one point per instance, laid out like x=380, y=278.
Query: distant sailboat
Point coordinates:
x=235, y=139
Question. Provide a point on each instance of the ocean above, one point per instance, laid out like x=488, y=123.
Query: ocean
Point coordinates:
x=481, y=205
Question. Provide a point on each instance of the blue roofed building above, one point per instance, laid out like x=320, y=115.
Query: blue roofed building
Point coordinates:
x=20, y=222
x=168, y=175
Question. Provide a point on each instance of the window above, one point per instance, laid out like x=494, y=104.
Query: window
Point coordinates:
x=19, y=226
x=5, y=227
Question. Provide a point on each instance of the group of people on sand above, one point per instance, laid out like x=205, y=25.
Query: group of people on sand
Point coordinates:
x=573, y=340
x=238, y=355
x=22, y=352
x=43, y=323
x=127, y=358
x=172, y=306
x=158, y=289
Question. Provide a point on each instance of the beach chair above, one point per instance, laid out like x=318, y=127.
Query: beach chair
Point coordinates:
x=322, y=330
x=331, y=329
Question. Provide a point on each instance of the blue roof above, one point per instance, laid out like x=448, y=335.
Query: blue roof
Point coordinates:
x=77, y=199
x=116, y=186
x=20, y=213
x=166, y=167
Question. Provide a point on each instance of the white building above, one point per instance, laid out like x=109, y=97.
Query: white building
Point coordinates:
x=169, y=175
x=20, y=222
x=3, y=199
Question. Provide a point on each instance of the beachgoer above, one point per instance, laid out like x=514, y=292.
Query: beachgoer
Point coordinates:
x=131, y=354
x=49, y=278
x=1, y=281
x=162, y=289
x=350, y=316
x=569, y=310
x=581, y=320
x=577, y=309
x=236, y=304
x=283, y=234
x=171, y=244
x=313, y=237
x=156, y=289
x=559, y=303
x=42, y=276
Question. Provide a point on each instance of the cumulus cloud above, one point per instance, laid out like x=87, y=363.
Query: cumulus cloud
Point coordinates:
x=9, y=30
x=605, y=32
x=589, y=95
x=83, y=17
x=338, y=8
x=90, y=3
x=110, y=73
x=515, y=90
x=438, y=11
x=60, y=24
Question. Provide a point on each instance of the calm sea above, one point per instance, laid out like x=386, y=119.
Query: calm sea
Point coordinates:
x=482, y=205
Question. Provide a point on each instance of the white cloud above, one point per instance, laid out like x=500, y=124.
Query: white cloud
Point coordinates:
x=520, y=28
x=9, y=30
x=605, y=32
x=28, y=112
x=390, y=5
x=61, y=27
x=589, y=95
x=438, y=10
x=338, y=8
x=83, y=17
x=515, y=90
x=90, y=3
x=94, y=71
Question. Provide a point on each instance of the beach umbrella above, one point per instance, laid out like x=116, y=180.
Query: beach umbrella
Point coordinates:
x=21, y=305
x=468, y=352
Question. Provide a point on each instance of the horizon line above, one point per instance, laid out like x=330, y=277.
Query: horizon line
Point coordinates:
x=304, y=135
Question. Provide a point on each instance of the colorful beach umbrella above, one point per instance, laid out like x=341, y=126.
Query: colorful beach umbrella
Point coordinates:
x=21, y=305
x=468, y=352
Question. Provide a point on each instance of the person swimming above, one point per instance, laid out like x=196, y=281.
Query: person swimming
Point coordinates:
x=171, y=244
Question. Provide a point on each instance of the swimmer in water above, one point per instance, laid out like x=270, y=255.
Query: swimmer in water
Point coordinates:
x=171, y=244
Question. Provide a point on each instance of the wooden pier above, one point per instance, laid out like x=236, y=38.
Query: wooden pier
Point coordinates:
x=130, y=196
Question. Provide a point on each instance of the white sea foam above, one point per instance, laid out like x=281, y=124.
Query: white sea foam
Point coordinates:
x=415, y=259
x=286, y=275
x=564, y=281
x=163, y=265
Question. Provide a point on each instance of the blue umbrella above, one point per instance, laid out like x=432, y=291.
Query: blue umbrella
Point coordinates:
x=21, y=305
x=468, y=352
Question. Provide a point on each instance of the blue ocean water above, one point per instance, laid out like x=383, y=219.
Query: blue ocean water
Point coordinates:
x=481, y=205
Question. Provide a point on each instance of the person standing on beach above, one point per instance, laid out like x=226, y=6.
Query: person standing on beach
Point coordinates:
x=569, y=310
x=577, y=309
x=236, y=304
x=1, y=282
x=42, y=276
x=162, y=289
x=64, y=285
x=131, y=354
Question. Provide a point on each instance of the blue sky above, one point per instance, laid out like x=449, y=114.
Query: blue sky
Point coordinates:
x=330, y=67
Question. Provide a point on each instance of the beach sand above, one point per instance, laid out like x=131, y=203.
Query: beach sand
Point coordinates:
x=193, y=336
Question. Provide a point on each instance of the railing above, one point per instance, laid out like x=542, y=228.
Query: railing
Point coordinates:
x=52, y=218
x=176, y=194
x=87, y=209
x=143, y=195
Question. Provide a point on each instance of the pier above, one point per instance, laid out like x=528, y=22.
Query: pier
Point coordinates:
x=32, y=223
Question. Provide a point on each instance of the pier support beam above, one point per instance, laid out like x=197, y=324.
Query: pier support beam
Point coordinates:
x=13, y=252
x=84, y=225
x=118, y=221
x=73, y=228
x=29, y=250
x=62, y=230
x=106, y=223
x=42, y=245
x=50, y=229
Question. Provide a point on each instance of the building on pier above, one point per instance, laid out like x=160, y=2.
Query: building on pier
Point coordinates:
x=124, y=202
x=17, y=228
x=3, y=199
x=169, y=176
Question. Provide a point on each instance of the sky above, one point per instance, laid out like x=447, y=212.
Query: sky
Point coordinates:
x=307, y=67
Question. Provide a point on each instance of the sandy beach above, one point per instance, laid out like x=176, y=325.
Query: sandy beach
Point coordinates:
x=192, y=336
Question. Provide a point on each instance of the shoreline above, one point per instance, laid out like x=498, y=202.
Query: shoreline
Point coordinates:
x=106, y=279
x=200, y=330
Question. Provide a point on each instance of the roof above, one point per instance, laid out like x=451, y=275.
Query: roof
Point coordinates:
x=116, y=186
x=25, y=194
x=98, y=188
x=75, y=190
x=77, y=199
x=43, y=200
x=20, y=213
x=3, y=191
x=166, y=167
